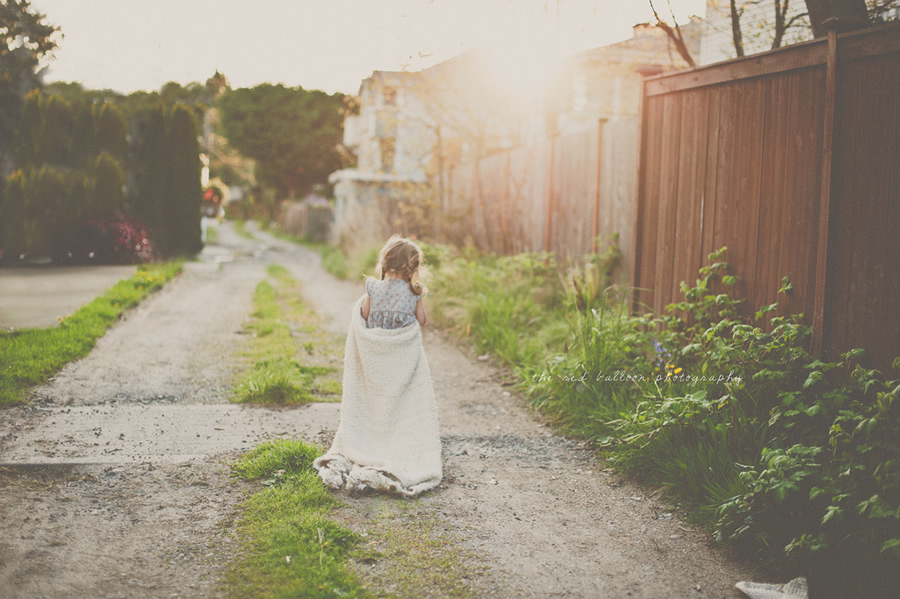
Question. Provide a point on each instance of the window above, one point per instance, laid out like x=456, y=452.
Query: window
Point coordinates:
x=388, y=147
x=390, y=96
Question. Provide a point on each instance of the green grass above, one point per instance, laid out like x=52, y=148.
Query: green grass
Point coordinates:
x=291, y=359
x=212, y=234
x=240, y=227
x=405, y=553
x=299, y=541
x=291, y=547
x=29, y=357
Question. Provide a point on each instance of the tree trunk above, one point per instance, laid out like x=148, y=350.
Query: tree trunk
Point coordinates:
x=847, y=14
x=781, y=9
x=736, y=35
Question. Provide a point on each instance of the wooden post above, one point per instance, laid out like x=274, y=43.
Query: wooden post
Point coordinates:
x=476, y=200
x=595, y=231
x=548, y=230
x=639, y=199
x=506, y=241
x=825, y=199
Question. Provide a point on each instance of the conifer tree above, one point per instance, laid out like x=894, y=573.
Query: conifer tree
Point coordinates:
x=152, y=172
x=28, y=133
x=78, y=195
x=106, y=195
x=110, y=128
x=14, y=221
x=184, y=192
x=2, y=217
x=84, y=137
x=56, y=130
x=43, y=201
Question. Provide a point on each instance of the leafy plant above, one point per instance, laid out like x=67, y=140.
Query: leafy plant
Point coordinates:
x=792, y=459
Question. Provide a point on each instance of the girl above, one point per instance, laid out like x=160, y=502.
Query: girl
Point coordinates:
x=397, y=299
x=388, y=437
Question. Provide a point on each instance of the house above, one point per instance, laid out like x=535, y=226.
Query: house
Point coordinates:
x=392, y=139
x=606, y=82
x=413, y=129
x=410, y=126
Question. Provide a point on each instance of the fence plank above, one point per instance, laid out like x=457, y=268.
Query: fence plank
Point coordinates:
x=798, y=56
x=692, y=151
x=863, y=296
x=647, y=217
x=668, y=196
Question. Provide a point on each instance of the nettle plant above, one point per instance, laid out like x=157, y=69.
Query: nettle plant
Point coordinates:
x=813, y=447
x=825, y=483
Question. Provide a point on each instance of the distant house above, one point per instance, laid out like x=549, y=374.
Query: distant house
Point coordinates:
x=413, y=128
x=409, y=126
x=392, y=140
x=606, y=82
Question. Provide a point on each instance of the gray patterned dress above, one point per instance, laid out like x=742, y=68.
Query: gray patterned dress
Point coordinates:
x=392, y=305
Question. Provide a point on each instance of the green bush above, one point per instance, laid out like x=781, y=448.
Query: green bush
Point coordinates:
x=793, y=460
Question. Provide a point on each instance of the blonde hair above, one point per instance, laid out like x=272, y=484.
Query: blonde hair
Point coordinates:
x=402, y=256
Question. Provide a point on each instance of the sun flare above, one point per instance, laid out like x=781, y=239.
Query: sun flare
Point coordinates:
x=525, y=69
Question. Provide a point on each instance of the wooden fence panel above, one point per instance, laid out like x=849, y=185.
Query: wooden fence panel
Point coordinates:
x=864, y=286
x=573, y=198
x=618, y=177
x=505, y=196
x=734, y=155
x=691, y=176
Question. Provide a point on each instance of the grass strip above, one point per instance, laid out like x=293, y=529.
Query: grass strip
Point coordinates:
x=299, y=541
x=292, y=548
x=405, y=551
x=28, y=357
x=292, y=360
x=240, y=227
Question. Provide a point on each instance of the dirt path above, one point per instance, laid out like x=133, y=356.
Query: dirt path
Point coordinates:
x=115, y=477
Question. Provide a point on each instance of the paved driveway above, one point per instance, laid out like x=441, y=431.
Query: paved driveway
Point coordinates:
x=37, y=296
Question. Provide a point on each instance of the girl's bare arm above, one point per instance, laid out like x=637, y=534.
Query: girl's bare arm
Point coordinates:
x=364, y=309
x=420, y=312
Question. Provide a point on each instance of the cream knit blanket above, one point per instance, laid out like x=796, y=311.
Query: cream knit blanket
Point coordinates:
x=388, y=437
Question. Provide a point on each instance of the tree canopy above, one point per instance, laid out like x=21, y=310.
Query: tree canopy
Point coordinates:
x=25, y=41
x=292, y=133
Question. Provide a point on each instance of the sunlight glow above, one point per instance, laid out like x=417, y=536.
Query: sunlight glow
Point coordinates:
x=524, y=69
x=129, y=45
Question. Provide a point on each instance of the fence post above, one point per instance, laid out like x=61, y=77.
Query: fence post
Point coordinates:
x=548, y=231
x=638, y=198
x=825, y=199
x=595, y=231
x=505, y=242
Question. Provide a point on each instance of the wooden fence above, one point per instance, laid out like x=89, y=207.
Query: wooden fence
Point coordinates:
x=791, y=159
x=557, y=195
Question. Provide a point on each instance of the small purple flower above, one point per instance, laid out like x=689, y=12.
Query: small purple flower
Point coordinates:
x=663, y=356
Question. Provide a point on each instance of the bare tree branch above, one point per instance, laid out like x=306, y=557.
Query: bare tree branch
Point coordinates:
x=674, y=34
x=736, y=35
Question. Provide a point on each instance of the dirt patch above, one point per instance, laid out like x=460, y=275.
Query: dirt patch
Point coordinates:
x=136, y=530
x=521, y=512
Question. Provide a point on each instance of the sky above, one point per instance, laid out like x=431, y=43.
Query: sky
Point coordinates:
x=330, y=45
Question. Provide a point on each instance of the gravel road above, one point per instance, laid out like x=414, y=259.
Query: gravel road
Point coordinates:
x=115, y=477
